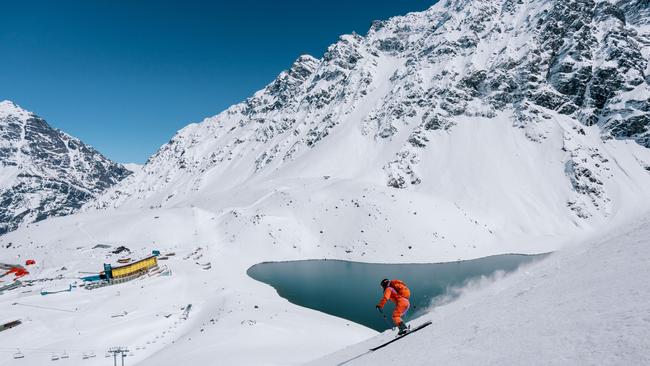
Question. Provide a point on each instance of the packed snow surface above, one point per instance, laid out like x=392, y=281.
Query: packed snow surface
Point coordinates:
x=584, y=305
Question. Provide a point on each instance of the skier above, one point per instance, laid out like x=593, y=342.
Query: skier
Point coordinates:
x=397, y=292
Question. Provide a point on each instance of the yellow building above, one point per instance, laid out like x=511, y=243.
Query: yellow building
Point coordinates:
x=142, y=265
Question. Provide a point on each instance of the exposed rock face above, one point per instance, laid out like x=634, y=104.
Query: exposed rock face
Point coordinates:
x=45, y=172
x=416, y=77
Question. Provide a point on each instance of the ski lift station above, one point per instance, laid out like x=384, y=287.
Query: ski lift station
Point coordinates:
x=114, y=275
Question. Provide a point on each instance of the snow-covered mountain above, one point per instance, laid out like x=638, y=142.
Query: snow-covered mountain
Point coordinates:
x=45, y=172
x=548, y=69
x=470, y=129
x=396, y=106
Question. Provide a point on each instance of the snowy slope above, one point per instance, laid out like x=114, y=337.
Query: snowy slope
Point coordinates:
x=456, y=103
x=133, y=167
x=45, y=172
x=231, y=313
x=584, y=305
x=470, y=129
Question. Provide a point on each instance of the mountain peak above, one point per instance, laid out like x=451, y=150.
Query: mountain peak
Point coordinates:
x=7, y=104
x=305, y=59
x=46, y=172
x=8, y=107
x=302, y=68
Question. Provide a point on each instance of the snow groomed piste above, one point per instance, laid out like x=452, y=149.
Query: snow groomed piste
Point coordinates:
x=401, y=336
x=385, y=344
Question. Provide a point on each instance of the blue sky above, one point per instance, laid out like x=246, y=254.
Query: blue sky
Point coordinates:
x=124, y=76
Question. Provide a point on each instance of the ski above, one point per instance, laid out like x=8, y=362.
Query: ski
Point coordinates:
x=402, y=336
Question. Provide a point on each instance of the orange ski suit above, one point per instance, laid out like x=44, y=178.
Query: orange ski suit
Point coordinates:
x=402, y=304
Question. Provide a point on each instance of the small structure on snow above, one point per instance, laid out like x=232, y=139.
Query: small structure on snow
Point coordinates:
x=50, y=292
x=114, y=275
x=9, y=325
x=121, y=249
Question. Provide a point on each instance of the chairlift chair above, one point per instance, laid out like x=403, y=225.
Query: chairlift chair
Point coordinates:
x=65, y=355
x=55, y=357
x=18, y=355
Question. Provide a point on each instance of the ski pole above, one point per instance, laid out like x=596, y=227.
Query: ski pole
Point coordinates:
x=392, y=327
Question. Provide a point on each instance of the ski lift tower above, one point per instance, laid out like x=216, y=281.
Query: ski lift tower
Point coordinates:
x=121, y=350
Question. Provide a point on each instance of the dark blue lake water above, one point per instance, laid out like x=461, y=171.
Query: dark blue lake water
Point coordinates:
x=351, y=290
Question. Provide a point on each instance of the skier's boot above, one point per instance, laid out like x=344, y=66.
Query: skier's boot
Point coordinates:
x=403, y=329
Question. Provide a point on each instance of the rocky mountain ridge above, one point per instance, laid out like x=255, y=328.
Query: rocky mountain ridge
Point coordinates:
x=45, y=172
x=411, y=80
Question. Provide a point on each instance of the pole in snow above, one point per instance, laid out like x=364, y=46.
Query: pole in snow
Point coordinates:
x=386, y=319
x=121, y=350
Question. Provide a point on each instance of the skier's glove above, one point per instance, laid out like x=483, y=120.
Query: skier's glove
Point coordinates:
x=378, y=307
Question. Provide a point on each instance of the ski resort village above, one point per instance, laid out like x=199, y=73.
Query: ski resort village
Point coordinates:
x=461, y=182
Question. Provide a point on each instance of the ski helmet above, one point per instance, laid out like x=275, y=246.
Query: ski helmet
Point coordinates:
x=385, y=282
